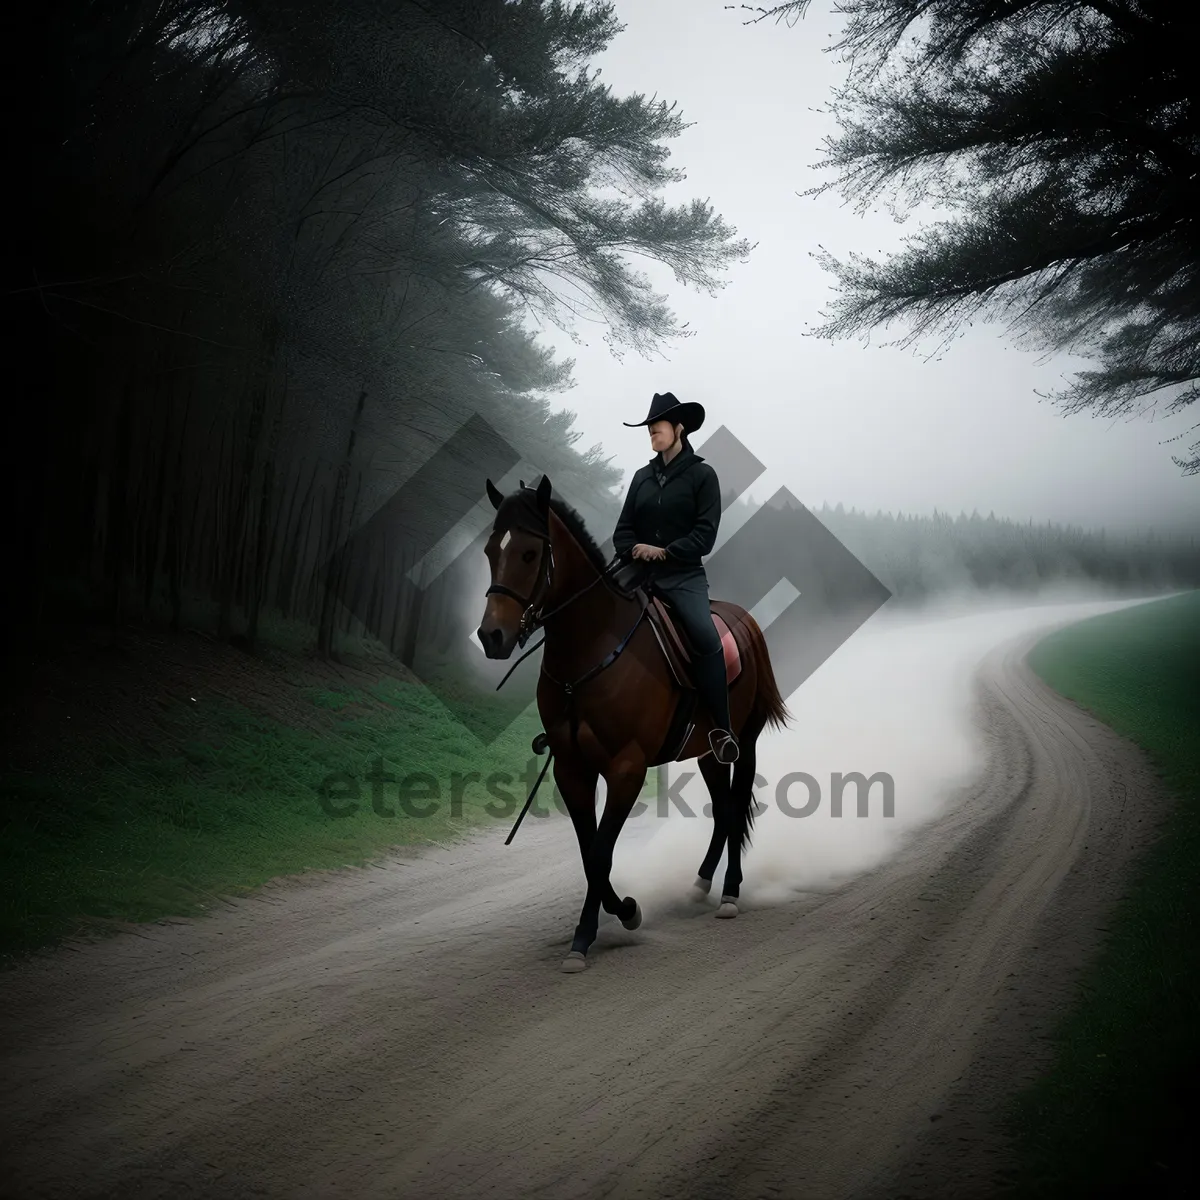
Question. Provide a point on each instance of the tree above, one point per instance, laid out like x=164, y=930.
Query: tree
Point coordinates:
x=1064, y=138
x=239, y=217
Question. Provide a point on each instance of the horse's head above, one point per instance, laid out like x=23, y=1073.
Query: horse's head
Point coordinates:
x=519, y=554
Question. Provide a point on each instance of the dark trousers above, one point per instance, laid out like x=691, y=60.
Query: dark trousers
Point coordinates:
x=688, y=597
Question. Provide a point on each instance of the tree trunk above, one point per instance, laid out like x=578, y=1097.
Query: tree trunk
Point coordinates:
x=258, y=571
x=414, y=610
x=235, y=529
x=289, y=569
x=276, y=550
x=333, y=567
x=118, y=510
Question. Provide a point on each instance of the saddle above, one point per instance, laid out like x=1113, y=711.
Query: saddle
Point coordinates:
x=677, y=646
x=672, y=636
x=678, y=650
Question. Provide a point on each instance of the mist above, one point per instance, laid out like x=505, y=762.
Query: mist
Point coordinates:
x=862, y=421
x=899, y=698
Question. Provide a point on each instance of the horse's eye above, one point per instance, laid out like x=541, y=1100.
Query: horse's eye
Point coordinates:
x=528, y=556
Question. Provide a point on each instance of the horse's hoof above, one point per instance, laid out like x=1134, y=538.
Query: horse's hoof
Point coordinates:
x=702, y=887
x=574, y=963
x=636, y=919
x=728, y=907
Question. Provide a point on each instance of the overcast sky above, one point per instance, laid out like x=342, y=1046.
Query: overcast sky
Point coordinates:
x=865, y=425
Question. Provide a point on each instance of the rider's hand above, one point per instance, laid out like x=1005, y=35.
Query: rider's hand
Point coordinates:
x=648, y=553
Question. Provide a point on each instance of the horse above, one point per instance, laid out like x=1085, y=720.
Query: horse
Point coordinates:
x=606, y=694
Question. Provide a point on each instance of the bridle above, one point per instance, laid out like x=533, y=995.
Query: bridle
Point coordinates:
x=532, y=616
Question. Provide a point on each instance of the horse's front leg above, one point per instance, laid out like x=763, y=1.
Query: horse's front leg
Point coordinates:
x=577, y=783
x=624, y=787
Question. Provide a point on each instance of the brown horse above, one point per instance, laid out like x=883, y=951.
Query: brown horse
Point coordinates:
x=606, y=695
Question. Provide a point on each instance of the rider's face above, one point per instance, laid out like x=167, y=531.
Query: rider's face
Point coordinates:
x=662, y=435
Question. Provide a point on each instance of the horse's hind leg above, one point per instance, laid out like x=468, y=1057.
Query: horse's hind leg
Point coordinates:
x=738, y=798
x=716, y=778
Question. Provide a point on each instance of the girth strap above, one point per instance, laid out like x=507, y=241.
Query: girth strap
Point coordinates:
x=571, y=688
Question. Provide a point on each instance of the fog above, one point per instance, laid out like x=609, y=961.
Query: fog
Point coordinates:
x=872, y=426
x=899, y=698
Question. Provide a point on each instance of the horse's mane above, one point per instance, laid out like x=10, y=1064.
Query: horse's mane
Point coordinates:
x=521, y=508
x=574, y=522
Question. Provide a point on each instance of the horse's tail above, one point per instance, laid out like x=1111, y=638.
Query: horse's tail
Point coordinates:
x=769, y=709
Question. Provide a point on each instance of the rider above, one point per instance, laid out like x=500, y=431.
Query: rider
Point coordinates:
x=669, y=520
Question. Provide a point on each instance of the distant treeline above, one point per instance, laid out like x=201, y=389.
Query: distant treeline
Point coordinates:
x=920, y=556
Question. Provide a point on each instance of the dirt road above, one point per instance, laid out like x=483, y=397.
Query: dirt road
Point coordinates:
x=405, y=1031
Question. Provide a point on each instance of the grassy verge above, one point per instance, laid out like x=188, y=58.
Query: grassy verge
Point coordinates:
x=223, y=799
x=1115, y=1114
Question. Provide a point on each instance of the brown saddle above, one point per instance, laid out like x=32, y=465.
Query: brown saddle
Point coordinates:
x=677, y=647
x=672, y=636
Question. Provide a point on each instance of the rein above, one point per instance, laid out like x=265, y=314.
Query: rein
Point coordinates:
x=532, y=620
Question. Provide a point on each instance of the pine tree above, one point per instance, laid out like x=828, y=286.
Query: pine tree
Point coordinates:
x=1063, y=137
x=238, y=217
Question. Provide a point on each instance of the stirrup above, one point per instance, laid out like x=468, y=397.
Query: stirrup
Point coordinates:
x=723, y=745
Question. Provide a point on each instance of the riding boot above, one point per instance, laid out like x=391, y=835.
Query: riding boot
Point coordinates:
x=708, y=672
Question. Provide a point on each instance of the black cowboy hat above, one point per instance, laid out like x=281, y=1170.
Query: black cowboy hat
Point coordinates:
x=666, y=408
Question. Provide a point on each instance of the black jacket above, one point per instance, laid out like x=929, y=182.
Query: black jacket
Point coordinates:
x=678, y=508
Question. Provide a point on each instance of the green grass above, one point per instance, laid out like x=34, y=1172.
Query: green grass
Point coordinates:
x=131, y=833
x=227, y=799
x=1116, y=1112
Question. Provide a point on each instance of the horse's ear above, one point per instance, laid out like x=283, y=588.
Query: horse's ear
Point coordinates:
x=543, y=494
x=494, y=494
x=521, y=484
